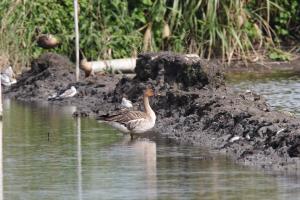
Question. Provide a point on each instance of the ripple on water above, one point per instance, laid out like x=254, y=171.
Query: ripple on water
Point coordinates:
x=281, y=94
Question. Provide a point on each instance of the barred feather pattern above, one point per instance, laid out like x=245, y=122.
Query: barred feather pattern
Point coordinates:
x=129, y=121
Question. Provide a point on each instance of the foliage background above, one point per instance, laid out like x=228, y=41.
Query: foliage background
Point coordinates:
x=227, y=29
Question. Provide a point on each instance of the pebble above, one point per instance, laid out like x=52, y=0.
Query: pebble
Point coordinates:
x=234, y=138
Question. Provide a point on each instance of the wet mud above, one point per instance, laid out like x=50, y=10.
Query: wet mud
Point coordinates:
x=193, y=105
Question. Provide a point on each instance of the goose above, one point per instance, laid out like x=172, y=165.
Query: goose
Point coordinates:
x=47, y=41
x=133, y=122
x=87, y=67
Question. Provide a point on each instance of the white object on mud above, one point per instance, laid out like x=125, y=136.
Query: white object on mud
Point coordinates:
x=280, y=131
x=126, y=103
x=248, y=91
x=8, y=77
x=235, y=138
x=66, y=94
x=9, y=72
x=7, y=81
x=248, y=137
x=116, y=65
x=53, y=96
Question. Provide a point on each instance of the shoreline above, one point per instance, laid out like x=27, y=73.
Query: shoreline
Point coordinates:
x=196, y=107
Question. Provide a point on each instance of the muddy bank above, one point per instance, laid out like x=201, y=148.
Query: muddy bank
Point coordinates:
x=53, y=73
x=264, y=66
x=194, y=106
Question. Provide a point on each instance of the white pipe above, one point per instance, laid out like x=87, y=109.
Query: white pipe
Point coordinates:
x=116, y=65
x=126, y=65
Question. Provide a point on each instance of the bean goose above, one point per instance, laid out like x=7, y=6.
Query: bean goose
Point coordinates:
x=133, y=122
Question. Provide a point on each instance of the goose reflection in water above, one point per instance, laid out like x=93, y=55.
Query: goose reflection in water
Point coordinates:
x=145, y=152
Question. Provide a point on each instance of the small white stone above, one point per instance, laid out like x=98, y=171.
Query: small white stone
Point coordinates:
x=234, y=138
x=52, y=96
x=281, y=130
x=8, y=77
x=248, y=137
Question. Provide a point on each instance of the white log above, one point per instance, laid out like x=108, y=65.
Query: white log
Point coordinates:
x=116, y=65
x=125, y=65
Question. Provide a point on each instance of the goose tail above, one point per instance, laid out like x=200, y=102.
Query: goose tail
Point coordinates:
x=102, y=118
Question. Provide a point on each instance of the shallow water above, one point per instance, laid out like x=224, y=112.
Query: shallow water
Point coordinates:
x=49, y=155
x=281, y=92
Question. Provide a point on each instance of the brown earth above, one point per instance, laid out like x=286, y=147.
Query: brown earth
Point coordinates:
x=194, y=107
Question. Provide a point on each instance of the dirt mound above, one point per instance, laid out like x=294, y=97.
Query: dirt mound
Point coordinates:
x=167, y=71
x=48, y=73
x=181, y=71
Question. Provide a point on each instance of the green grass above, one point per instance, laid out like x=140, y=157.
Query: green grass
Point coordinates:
x=226, y=29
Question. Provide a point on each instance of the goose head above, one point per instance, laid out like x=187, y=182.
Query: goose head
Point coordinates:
x=148, y=92
x=86, y=67
x=47, y=41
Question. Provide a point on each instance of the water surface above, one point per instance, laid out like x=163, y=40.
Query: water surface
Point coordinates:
x=50, y=155
x=281, y=92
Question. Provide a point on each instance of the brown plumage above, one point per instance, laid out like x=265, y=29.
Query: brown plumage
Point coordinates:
x=133, y=122
x=47, y=41
x=86, y=67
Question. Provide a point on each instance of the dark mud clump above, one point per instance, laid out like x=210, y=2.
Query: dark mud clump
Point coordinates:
x=194, y=105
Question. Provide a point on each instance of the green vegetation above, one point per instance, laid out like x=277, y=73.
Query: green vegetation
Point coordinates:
x=280, y=55
x=227, y=29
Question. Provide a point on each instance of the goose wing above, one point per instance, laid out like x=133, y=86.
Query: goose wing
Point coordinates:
x=68, y=93
x=130, y=119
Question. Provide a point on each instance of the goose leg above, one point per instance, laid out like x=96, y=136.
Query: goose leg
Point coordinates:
x=131, y=136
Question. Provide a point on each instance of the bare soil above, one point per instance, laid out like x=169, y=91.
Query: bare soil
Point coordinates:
x=194, y=107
